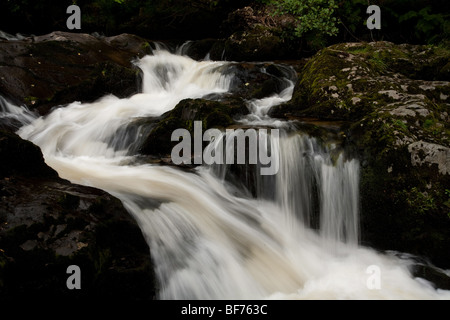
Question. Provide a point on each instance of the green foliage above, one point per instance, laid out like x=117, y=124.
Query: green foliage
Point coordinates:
x=311, y=15
x=421, y=202
x=427, y=24
x=417, y=21
x=400, y=124
x=318, y=22
x=351, y=14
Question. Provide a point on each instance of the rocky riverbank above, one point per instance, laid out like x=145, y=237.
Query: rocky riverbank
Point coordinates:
x=395, y=100
x=48, y=224
x=391, y=103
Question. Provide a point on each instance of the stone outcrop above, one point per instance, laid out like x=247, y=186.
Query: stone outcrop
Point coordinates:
x=45, y=71
x=394, y=102
x=48, y=224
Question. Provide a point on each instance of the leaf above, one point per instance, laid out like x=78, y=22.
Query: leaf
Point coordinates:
x=407, y=16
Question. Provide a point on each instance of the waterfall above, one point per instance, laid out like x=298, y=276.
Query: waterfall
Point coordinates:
x=14, y=116
x=296, y=237
x=308, y=169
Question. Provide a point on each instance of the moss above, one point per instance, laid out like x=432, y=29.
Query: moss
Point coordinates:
x=378, y=63
x=30, y=99
x=375, y=88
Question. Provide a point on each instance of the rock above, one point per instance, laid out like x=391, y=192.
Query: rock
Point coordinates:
x=258, y=80
x=392, y=99
x=21, y=157
x=430, y=154
x=258, y=44
x=249, y=81
x=48, y=224
x=61, y=67
x=213, y=114
x=347, y=81
x=256, y=34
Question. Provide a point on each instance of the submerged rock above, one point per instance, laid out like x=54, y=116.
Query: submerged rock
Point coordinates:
x=48, y=224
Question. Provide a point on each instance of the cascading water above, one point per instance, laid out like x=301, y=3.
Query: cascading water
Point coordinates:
x=296, y=239
x=307, y=166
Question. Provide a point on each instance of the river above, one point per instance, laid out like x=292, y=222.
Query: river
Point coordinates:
x=296, y=238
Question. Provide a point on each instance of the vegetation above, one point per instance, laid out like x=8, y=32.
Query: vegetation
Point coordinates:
x=418, y=22
x=325, y=22
x=314, y=19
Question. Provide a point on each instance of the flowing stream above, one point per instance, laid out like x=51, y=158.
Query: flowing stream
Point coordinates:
x=209, y=239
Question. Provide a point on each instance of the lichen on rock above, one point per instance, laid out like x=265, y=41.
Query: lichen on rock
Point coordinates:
x=394, y=101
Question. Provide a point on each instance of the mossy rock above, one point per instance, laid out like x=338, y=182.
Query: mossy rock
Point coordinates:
x=395, y=103
x=346, y=81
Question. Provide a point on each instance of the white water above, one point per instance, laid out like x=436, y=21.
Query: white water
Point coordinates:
x=208, y=239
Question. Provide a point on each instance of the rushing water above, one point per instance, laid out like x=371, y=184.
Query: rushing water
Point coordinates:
x=297, y=238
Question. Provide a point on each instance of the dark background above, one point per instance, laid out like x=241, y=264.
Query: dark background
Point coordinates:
x=403, y=21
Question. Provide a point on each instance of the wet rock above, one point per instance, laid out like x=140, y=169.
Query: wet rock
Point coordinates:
x=249, y=81
x=258, y=80
x=392, y=99
x=20, y=157
x=61, y=67
x=213, y=114
x=48, y=224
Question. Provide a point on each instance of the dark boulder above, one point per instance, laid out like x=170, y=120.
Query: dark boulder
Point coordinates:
x=21, y=157
x=258, y=80
x=212, y=114
x=59, y=68
x=48, y=224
